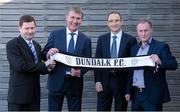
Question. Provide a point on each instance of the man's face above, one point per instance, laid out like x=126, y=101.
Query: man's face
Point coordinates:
x=114, y=23
x=73, y=20
x=27, y=30
x=144, y=32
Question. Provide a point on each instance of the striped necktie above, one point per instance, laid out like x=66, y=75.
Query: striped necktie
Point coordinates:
x=33, y=51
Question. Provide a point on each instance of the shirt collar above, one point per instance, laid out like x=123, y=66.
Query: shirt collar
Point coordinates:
x=146, y=44
x=68, y=31
x=119, y=34
x=27, y=41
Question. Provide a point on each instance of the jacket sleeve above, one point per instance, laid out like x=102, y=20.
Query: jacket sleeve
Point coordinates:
x=87, y=53
x=168, y=62
x=129, y=86
x=97, y=72
x=48, y=45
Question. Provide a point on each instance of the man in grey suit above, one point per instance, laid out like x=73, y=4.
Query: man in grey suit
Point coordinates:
x=65, y=81
x=25, y=59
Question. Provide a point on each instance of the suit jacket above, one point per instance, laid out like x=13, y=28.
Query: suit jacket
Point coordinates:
x=57, y=39
x=103, y=51
x=156, y=87
x=24, y=72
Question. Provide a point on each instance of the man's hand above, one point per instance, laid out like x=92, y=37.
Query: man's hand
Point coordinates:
x=155, y=58
x=98, y=87
x=51, y=52
x=127, y=96
x=50, y=64
x=75, y=72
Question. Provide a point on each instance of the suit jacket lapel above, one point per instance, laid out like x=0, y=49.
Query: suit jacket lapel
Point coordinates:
x=122, y=45
x=135, y=50
x=78, y=41
x=106, y=43
x=27, y=48
x=24, y=45
x=150, y=51
x=151, y=47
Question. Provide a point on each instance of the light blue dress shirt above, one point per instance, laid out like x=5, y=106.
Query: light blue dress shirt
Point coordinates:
x=138, y=75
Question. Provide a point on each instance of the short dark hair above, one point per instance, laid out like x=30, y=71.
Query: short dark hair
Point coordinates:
x=143, y=20
x=115, y=12
x=26, y=18
x=76, y=9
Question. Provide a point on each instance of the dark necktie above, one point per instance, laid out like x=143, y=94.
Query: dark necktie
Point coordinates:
x=71, y=43
x=71, y=48
x=33, y=51
x=114, y=48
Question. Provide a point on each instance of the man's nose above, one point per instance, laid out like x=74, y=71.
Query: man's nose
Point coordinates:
x=75, y=20
x=30, y=30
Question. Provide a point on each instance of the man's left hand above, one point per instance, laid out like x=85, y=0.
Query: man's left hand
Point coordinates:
x=75, y=72
x=155, y=58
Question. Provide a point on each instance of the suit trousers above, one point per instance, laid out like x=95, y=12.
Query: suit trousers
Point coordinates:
x=68, y=90
x=141, y=103
x=34, y=106
x=105, y=98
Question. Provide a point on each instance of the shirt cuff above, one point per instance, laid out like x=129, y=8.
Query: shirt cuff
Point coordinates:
x=98, y=83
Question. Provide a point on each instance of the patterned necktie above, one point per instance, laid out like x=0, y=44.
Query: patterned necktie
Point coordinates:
x=114, y=48
x=33, y=51
x=71, y=43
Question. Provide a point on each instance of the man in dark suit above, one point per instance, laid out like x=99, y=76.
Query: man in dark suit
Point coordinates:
x=110, y=83
x=25, y=68
x=65, y=81
x=148, y=87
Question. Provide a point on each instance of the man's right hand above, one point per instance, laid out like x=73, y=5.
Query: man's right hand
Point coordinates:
x=51, y=52
x=98, y=87
x=50, y=64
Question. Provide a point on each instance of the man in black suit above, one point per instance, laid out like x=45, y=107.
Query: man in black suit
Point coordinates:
x=110, y=83
x=65, y=81
x=25, y=59
x=147, y=87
